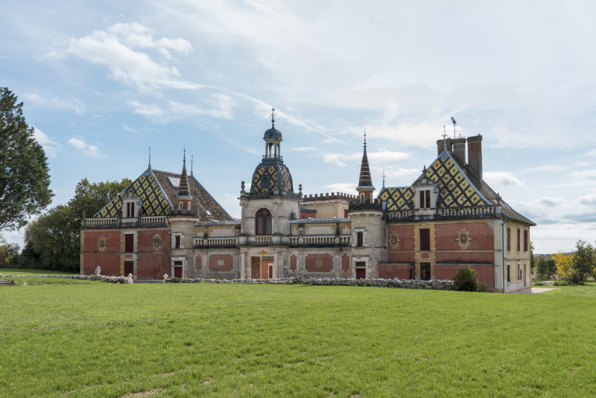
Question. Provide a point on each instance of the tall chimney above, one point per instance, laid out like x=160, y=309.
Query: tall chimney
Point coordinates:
x=475, y=155
x=459, y=149
x=441, y=146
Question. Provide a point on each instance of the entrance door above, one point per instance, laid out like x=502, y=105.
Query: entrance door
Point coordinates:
x=360, y=273
x=255, y=268
x=129, y=268
x=177, y=272
x=266, y=263
x=425, y=271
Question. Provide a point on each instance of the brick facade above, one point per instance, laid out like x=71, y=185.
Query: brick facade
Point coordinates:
x=345, y=263
x=391, y=271
x=293, y=262
x=109, y=263
x=152, y=265
x=319, y=263
x=481, y=235
x=221, y=262
x=198, y=262
x=486, y=273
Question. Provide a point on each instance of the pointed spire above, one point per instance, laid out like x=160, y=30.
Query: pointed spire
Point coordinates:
x=149, y=157
x=183, y=187
x=365, y=177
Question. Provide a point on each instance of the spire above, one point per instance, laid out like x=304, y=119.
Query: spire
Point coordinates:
x=272, y=118
x=149, y=157
x=365, y=178
x=384, y=178
x=183, y=187
x=191, y=164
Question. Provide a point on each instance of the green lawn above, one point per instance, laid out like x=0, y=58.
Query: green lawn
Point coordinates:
x=17, y=271
x=188, y=340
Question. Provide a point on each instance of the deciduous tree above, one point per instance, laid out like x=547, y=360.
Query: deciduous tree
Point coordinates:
x=24, y=172
x=563, y=263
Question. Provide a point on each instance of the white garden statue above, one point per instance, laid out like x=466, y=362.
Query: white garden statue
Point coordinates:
x=165, y=278
x=129, y=280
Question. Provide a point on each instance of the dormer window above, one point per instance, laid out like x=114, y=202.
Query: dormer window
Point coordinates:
x=425, y=198
x=130, y=205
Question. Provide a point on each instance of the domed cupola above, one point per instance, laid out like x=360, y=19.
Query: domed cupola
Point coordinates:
x=272, y=177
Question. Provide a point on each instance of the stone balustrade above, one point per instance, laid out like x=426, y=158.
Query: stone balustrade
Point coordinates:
x=115, y=222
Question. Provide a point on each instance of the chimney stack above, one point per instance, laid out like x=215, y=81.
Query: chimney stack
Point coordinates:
x=459, y=149
x=441, y=146
x=475, y=155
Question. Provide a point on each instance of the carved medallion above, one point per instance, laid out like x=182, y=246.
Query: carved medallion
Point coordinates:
x=394, y=240
x=463, y=239
x=102, y=243
x=157, y=242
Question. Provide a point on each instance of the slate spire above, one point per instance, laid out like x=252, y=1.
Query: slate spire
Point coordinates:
x=183, y=188
x=365, y=177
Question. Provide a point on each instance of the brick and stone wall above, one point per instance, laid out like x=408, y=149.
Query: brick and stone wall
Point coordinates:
x=486, y=273
x=151, y=265
x=391, y=271
x=319, y=263
x=221, y=263
x=108, y=262
x=481, y=235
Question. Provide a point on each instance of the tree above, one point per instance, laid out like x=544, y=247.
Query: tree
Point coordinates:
x=53, y=240
x=24, y=172
x=583, y=260
x=563, y=263
x=8, y=253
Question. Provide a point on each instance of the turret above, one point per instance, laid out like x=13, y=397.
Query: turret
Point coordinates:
x=184, y=197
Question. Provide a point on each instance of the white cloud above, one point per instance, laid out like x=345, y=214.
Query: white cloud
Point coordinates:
x=585, y=175
x=552, y=202
x=90, y=150
x=338, y=157
x=50, y=147
x=55, y=102
x=589, y=200
x=503, y=178
x=115, y=48
x=125, y=127
x=349, y=188
x=387, y=156
x=216, y=105
x=546, y=168
x=303, y=149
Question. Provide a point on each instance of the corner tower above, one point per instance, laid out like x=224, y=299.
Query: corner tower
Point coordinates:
x=365, y=186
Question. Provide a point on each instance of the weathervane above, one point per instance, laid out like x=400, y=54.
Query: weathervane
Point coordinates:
x=272, y=117
x=384, y=178
x=191, y=163
x=445, y=136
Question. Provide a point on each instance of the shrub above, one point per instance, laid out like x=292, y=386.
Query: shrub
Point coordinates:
x=465, y=280
x=562, y=282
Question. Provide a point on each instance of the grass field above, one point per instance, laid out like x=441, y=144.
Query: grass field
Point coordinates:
x=188, y=340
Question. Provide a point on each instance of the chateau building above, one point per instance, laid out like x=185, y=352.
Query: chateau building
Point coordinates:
x=167, y=223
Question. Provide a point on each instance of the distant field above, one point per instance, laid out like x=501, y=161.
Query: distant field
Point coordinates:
x=17, y=271
x=189, y=340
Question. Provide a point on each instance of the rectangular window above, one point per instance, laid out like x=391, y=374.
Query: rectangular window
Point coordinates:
x=360, y=239
x=425, y=271
x=425, y=239
x=518, y=239
x=177, y=242
x=518, y=273
x=508, y=239
x=425, y=199
x=508, y=272
x=129, y=243
x=525, y=240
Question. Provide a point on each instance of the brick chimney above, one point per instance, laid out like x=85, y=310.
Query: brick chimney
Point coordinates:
x=475, y=155
x=441, y=146
x=459, y=149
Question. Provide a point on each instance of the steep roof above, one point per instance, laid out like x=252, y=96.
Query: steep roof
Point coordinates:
x=158, y=190
x=365, y=179
x=458, y=189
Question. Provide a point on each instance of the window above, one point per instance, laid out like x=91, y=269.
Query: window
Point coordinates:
x=345, y=213
x=130, y=209
x=425, y=199
x=292, y=216
x=359, y=239
x=129, y=243
x=177, y=241
x=263, y=222
x=518, y=273
x=508, y=239
x=525, y=240
x=425, y=239
x=518, y=239
x=508, y=272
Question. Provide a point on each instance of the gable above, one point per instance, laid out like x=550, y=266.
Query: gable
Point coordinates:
x=155, y=202
x=456, y=189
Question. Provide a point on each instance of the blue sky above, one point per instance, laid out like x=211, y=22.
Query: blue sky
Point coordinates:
x=104, y=80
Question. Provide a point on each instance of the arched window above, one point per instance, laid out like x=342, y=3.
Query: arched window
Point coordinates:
x=292, y=216
x=263, y=222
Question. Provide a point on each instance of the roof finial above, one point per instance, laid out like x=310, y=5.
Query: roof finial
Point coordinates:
x=272, y=117
x=365, y=137
x=191, y=163
x=454, y=122
x=184, y=159
x=384, y=178
x=149, y=157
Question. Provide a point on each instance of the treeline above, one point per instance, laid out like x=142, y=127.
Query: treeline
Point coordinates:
x=574, y=268
x=53, y=241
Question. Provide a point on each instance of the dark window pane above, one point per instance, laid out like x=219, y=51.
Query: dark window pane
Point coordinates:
x=425, y=239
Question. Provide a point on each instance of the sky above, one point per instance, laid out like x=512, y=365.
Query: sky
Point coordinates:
x=102, y=81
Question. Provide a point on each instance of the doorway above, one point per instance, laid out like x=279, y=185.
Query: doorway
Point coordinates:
x=177, y=269
x=425, y=271
x=266, y=268
x=255, y=268
x=129, y=268
x=360, y=270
